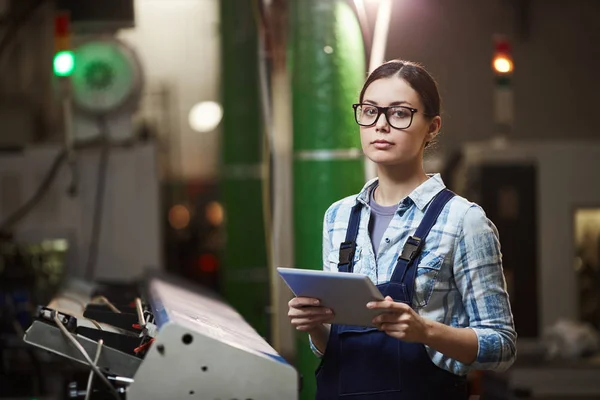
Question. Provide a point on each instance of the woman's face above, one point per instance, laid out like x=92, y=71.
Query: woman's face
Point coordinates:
x=386, y=145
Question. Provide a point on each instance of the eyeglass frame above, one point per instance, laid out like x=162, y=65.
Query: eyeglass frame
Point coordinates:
x=383, y=110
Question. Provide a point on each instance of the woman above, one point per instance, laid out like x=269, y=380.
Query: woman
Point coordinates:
x=434, y=255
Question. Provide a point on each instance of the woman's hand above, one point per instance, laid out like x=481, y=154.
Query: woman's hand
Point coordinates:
x=400, y=321
x=307, y=315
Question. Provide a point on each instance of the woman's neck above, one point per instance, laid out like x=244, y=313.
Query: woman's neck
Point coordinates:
x=397, y=182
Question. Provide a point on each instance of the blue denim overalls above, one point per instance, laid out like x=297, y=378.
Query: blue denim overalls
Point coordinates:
x=363, y=363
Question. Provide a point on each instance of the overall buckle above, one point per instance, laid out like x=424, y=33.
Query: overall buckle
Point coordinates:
x=411, y=248
x=347, y=252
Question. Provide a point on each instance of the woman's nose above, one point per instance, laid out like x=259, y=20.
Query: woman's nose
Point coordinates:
x=382, y=124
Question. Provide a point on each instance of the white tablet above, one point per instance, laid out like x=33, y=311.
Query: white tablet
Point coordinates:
x=347, y=294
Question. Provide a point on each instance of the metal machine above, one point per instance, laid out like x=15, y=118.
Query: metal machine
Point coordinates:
x=161, y=339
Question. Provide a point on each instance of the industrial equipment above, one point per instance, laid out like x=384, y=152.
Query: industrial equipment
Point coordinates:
x=161, y=338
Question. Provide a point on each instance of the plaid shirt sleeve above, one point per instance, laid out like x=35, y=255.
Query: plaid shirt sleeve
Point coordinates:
x=480, y=280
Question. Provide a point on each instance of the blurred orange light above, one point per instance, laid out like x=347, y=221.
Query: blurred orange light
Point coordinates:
x=214, y=213
x=179, y=217
x=503, y=64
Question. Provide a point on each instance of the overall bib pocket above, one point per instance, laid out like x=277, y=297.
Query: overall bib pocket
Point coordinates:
x=369, y=361
x=396, y=290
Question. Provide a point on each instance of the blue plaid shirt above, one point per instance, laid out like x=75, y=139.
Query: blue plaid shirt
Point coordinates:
x=460, y=281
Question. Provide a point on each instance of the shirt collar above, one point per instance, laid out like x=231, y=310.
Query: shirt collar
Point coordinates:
x=421, y=196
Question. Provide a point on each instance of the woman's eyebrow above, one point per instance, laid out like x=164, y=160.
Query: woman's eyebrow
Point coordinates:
x=393, y=103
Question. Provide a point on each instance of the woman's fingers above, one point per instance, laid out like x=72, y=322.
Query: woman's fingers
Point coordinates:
x=314, y=320
x=388, y=305
x=299, y=302
x=308, y=311
x=306, y=314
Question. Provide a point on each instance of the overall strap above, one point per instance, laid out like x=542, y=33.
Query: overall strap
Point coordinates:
x=403, y=273
x=348, y=247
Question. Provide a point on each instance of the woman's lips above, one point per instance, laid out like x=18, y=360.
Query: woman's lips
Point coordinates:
x=382, y=144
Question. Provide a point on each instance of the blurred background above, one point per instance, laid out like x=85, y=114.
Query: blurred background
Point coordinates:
x=206, y=138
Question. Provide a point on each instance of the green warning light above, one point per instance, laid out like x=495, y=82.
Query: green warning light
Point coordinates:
x=64, y=63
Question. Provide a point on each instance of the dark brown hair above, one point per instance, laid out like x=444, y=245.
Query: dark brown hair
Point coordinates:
x=416, y=76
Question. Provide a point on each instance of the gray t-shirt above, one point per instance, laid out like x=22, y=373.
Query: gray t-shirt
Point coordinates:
x=381, y=216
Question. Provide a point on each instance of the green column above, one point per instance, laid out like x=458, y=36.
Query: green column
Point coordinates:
x=327, y=69
x=245, y=278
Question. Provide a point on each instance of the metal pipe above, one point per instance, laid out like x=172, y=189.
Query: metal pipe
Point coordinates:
x=327, y=74
x=140, y=312
x=244, y=276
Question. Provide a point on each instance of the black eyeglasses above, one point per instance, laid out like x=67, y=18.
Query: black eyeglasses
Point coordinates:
x=399, y=117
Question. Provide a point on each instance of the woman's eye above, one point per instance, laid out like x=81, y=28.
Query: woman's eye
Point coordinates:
x=400, y=113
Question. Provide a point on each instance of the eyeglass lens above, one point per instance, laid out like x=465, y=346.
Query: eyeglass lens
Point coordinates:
x=398, y=117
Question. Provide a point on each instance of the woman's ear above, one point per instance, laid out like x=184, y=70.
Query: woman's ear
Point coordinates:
x=434, y=128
